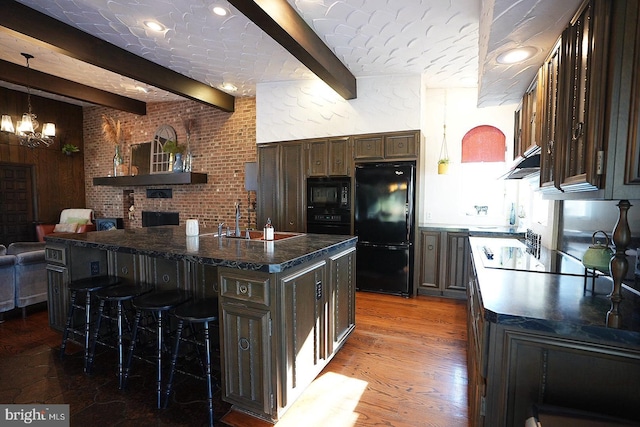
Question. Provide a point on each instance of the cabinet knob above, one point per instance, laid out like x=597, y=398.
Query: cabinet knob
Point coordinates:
x=166, y=278
x=338, y=162
x=243, y=288
x=430, y=247
x=400, y=144
x=317, y=162
x=243, y=343
x=124, y=270
x=291, y=223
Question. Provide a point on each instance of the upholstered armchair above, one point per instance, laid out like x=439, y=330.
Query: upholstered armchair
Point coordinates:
x=71, y=221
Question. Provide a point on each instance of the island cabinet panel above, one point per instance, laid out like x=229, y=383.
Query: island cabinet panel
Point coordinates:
x=246, y=355
x=341, y=297
x=65, y=264
x=303, y=329
x=58, y=295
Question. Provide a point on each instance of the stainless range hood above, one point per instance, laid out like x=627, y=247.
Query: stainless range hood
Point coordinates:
x=524, y=165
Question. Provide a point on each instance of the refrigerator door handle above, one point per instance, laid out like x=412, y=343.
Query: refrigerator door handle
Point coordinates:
x=385, y=246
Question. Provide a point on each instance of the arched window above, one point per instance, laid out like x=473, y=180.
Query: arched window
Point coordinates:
x=483, y=144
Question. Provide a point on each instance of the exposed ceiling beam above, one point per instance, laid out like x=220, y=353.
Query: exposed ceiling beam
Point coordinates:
x=23, y=21
x=283, y=24
x=18, y=74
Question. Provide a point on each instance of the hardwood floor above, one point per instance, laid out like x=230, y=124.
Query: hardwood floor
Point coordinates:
x=403, y=366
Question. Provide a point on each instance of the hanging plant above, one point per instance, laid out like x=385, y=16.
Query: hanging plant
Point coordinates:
x=69, y=149
x=443, y=161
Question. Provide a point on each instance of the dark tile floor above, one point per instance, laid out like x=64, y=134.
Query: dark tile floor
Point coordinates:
x=31, y=371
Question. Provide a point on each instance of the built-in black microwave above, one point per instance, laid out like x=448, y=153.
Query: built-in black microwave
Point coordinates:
x=331, y=193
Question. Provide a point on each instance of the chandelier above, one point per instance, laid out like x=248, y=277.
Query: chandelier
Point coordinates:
x=26, y=129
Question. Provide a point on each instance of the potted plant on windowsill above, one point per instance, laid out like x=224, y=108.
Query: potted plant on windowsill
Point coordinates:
x=175, y=155
x=69, y=149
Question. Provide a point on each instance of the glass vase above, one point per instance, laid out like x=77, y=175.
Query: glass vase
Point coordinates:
x=117, y=161
x=178, y=166
x=188, y=158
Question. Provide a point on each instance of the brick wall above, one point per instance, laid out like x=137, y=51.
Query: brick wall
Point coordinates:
x=220, y=142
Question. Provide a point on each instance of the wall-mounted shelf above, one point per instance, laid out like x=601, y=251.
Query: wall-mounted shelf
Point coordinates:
x=152, y=179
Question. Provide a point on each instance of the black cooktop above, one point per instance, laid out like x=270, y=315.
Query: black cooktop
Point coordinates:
x=512, y=254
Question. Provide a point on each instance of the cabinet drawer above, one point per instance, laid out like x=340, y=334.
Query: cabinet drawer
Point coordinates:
x=369, y=148
x=56, y=255
x=247, y=289
x=400, y=146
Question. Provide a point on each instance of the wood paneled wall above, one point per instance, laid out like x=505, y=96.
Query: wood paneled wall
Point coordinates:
x=59, y=178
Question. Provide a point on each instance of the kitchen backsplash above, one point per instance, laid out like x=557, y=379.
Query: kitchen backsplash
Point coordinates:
x=580, y=219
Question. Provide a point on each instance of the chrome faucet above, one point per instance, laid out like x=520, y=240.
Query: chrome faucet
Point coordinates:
x=237, y=231
x=220, y=229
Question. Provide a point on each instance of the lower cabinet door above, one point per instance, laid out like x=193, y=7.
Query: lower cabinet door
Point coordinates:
x=58, y=295
x=246, y=357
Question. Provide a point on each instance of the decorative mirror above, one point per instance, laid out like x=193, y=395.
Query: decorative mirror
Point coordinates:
x=140, y=159
x=160, y=159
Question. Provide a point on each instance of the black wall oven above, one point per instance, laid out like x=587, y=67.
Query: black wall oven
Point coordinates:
x=329, y=205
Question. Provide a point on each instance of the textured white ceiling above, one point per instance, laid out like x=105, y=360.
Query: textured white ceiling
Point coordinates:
x=452, y=43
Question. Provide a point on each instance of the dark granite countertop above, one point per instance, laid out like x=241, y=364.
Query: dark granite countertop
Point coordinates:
x=171, y=242
x=555, y=303
x=477, y=230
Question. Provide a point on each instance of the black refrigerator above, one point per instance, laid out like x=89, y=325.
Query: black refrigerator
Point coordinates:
x=384, y=216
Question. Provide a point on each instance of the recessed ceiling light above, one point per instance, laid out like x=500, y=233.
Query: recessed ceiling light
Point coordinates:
x=220, y=11
x=229, y=87
x=513, y=56
x=153, y=25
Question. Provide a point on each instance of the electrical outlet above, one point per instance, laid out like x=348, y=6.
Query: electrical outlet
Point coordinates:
x=428, y=215
x=95, y=268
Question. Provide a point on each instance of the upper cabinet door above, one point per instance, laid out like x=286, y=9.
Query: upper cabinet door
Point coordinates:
x=550, y=76
x=339, y=158
x=586, y=49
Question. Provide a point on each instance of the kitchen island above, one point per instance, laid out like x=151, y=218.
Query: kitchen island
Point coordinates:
x=286, y=306
x=537, y=337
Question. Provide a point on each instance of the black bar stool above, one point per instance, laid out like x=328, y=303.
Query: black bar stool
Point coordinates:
x=202, y=311
x=155, y=303
x=115, y=294
x=88, y=286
